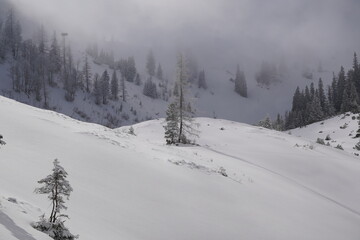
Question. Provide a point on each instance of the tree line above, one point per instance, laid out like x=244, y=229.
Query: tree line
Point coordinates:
x=317, y=102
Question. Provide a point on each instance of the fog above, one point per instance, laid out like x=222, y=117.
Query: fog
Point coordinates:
x=218, y=32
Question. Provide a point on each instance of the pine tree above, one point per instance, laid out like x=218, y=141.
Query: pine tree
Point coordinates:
x=12, y=34
x=150, y=89
x=87, y=73
x=159, y=73
x=97, y=89
x=58, y=189
x=114, y=86
x=202, y=80
x=131, y=70
x=172, y=124
x=314, y=110
x=240, y=83
x=356, y=73
x=151, y=64
x=54, y=60
x=340, y=89
x=279, y=124
x=123, y=89
x=266, y=123
x=186, y=126
x=138, y=79
x=322, y=96
x=105, y=86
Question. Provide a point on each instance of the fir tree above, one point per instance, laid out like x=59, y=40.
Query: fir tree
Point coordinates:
x=159, y=73
x=340, y=89
x=202, y=80
x=87, y=73
x=105, y=86
x=172, y=124
x=314, y=110
x=151, y=64
x=240, y=83
x=123, y=89
x=114, y=86
x=54, y=60
x=138, y=79
x=97, y=89
x=150, y=89
x=266, y=123
x=58, y=189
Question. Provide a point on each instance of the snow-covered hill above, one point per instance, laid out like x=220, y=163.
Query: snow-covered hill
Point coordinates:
x=218, y=101
x=241, y=182
x=340, y=130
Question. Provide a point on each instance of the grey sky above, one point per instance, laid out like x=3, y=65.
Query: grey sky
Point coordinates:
x=235, y=29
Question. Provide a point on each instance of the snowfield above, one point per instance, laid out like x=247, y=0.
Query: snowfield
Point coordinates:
x=240, y=182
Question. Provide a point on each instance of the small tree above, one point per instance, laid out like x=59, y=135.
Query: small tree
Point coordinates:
x=114, y=86
x=180, y=110
x=172, y=124
x=57, y=188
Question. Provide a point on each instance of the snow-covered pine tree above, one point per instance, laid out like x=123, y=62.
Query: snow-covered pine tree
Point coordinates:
x=114, y=86
x=314, y=110
x=172, y=124
x=105, y=86
x=54, y=60
x=266, y=123
x=58, y=189
x=159, y=73
x=202, y=80
x=130, y=70
x=97, y=89
x=123, y=89
x=240, y=83
x=138, y=79
x=150, y=89
x=86, y=73
x=150, y=64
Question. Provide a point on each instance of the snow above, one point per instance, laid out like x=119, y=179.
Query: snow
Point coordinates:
x=341, y=129
x=218, y=101
x=278, y=186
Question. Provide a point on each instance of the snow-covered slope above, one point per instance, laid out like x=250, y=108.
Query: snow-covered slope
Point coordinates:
x=218, y=101
x=339, y=130
x=241, y=182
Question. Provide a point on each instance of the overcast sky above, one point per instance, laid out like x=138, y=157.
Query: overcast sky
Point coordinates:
x=236, y=30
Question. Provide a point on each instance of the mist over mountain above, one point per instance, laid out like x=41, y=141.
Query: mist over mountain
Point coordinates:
x=219, y=33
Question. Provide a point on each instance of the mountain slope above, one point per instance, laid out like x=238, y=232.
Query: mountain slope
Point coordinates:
x=241, y=182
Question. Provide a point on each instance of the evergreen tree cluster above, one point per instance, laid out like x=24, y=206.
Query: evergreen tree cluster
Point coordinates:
x=240, y=83
x=37, y=64
x=150, y=89
x=317, y=103
x=267, y=74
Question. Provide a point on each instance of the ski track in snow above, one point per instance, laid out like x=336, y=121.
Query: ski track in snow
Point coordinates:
x=357, y=213
x=15, y=230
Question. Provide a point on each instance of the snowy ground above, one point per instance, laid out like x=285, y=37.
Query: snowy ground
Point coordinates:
x=339, y=130
x=276, y=186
